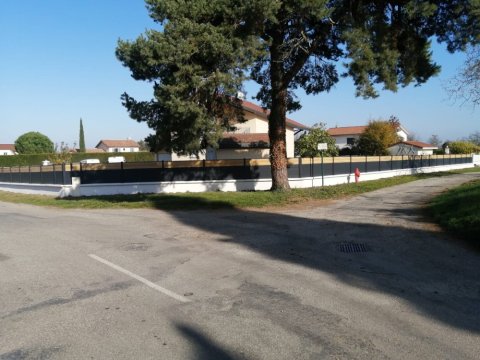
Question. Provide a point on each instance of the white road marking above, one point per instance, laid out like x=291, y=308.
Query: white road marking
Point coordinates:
x=141, y=279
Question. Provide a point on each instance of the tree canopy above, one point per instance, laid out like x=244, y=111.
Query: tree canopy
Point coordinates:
x=465, y=86
x=203, y=50
x=34, y=143
x=377, y=138
x=307, y=144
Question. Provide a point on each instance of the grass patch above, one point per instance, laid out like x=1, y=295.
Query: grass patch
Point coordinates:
x=213, y=200
x=458, y=211
x=475, y=169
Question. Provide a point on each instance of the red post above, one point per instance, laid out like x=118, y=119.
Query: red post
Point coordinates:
x=357, y=174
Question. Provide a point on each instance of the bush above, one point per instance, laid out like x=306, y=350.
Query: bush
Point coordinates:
x=307, y=145
x=463, y=147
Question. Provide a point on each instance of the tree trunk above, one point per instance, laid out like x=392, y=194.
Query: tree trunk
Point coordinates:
x=276, y=121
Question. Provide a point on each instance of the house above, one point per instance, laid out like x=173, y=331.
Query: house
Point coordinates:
x=346, y=136
x=412, y=148
x=88, y=150
x=7, y=149
x=118, y=146
x=249, y=140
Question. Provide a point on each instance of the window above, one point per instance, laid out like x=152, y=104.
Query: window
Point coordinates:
x=350, y=141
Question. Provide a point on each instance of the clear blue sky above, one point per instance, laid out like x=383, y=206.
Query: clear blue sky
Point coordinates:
x=57, y=65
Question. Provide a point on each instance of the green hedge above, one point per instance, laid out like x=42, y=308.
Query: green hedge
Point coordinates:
x=36, y=159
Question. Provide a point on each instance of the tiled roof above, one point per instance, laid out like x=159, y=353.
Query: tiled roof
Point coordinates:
x=418, y=144
x=118, y=143
x=249, y=106
x=10, y=147
x=346, y=130
x=232, y=141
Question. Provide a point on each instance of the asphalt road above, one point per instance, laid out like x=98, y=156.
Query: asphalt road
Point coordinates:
x=282, y=284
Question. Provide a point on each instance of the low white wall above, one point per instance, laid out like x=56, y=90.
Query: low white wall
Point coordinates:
x=476, y=160
x=77, y=189
x=38, y=189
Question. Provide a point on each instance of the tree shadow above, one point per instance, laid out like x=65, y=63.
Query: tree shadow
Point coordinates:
x=204, y=347
x=159, y=201
x=438, y=277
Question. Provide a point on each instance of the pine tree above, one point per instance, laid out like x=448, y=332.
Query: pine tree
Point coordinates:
x=81, y=140
x=205, y=49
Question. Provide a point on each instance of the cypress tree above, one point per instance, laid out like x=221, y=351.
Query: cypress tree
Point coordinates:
x=81, y=141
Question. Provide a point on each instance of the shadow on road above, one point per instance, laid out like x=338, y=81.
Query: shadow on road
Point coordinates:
x=203, y=347
x=440, y=278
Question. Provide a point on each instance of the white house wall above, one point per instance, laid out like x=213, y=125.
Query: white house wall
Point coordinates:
x=402, y=134
x=122, y=150
x=290, y=135
x=253, y=125
x=408, y=150
x=341, y=141
x=226, y=154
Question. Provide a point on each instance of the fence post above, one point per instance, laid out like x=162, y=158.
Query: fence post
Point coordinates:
x=204, y=170
x=333, y=165
x=350, y=169
x=299, y=167
x=29, y=174
x=322, y=169
x=391, y=162
x=11, y=176
x=366, y=163
x=379, y=163
x=54, y=175
x=122, y=173
x=64, y=175
x=81, y=173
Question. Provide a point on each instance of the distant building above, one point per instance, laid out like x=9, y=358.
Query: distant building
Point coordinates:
x=346, y=136
x=89, y=150
x=112, y=146
x=7, y=149
x=412, y=148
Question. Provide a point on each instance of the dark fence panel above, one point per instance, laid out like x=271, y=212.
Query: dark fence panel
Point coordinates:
x=173, y=174
x=216, y=170
x=52, y=174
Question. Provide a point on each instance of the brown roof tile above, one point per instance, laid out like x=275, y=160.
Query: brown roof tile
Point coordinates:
x=7, y=147
x=346, y=130
x=118, y=143
x=249, y=106
x=418, y=144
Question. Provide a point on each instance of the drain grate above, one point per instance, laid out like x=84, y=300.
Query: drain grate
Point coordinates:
x=353, y=248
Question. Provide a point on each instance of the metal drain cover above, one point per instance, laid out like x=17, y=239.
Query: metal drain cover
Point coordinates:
x=353, y=248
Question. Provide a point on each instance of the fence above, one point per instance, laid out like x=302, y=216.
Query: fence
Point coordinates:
x=162, y=171
x=48, y=174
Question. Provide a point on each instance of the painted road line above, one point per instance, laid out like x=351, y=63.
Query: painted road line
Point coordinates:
x=141, y=279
